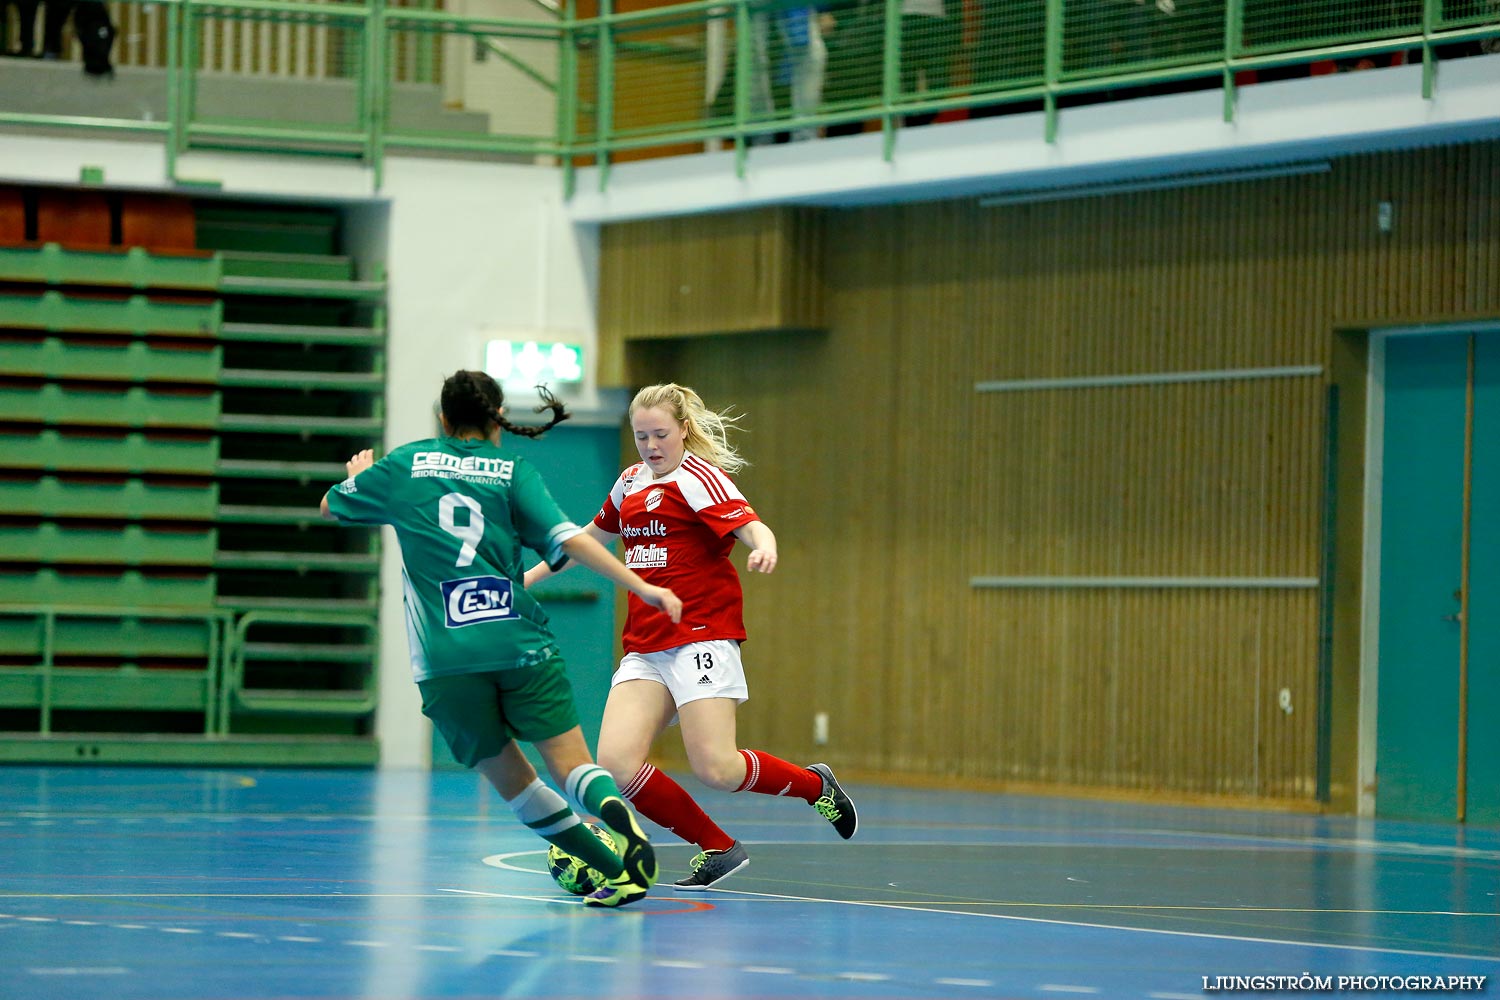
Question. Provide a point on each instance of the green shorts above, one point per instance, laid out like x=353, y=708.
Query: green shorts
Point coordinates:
x=478, y=714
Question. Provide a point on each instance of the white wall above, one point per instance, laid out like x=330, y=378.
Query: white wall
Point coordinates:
x=470, y=247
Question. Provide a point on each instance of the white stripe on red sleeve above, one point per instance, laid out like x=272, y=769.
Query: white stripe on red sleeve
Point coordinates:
x=712, y=478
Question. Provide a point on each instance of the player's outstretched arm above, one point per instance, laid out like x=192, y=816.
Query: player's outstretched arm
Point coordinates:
x=586, y=549
x=762, y=542
x=541, y=570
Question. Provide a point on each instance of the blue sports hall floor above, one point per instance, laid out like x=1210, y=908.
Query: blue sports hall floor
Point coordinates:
x=169, y=884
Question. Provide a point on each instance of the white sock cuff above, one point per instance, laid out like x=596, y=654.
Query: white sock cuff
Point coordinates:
x=536, y=803
x=579, y=780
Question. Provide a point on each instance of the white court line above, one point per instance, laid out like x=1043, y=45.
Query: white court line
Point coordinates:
x=1202, y=935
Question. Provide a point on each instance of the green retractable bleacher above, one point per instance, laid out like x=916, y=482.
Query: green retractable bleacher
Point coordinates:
x=170, y=413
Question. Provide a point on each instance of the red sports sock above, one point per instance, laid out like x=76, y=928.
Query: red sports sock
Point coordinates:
x=667, y=804
x=773, y=776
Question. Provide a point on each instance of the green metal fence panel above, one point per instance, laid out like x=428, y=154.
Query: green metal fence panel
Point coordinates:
x=132, y=267
x=659, y=76
x=53, y=451
x=1009, y=46
x=308, y=94
x=54, y=312
x=131, y=499
x=116, y=545
x=136, y=361
x=77, y=405
x=499, y=92
x=1122, y=36
x=1467, y=13
x=1279, y=25
x=357, y=79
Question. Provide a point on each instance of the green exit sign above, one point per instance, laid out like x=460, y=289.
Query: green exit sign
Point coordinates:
x=529, y=362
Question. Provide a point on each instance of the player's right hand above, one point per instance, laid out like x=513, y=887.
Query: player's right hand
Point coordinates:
x=359, y=462
x=669, y=603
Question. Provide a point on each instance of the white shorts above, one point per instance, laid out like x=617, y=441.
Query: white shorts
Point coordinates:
x=698, y=670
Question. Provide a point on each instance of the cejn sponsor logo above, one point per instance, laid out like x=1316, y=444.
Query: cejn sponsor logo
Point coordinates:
x=441, y=464
x=736, y=514
x=477, y=599
x=646, y=556
x=654, y=498
x=653, y=530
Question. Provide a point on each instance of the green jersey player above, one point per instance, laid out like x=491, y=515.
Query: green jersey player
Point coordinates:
x=486, y=664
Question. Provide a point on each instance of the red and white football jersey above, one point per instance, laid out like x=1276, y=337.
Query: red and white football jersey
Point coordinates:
x=677, y=533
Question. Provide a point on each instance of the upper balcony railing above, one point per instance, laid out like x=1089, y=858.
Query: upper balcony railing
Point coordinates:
x=578, y=82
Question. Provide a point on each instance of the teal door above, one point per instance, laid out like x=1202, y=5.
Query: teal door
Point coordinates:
x=579, y=463
x=1437, y=748
x=1483, y=758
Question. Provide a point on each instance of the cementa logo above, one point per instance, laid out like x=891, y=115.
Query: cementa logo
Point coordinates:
x=477, y=599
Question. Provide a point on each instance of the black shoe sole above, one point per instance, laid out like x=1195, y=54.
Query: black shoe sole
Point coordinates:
x=639, y=858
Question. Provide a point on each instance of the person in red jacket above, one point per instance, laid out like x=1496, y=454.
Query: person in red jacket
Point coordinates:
x=680, y=514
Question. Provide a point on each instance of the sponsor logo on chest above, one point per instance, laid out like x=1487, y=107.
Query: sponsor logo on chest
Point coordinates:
x=477, y=599
x=653, y=530
x=647, y=555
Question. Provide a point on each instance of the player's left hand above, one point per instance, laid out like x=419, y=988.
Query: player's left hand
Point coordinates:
x=761, y=560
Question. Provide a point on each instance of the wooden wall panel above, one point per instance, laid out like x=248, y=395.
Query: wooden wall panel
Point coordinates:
x=749, y=271
x=891, y=482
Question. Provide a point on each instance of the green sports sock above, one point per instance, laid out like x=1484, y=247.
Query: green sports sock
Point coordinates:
x=589, y=785
x=548, y=815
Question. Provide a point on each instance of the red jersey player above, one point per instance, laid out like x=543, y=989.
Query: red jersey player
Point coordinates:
x=679, y=514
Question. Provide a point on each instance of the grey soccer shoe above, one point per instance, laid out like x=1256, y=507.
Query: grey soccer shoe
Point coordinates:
x=835, y=806
x=712, y=867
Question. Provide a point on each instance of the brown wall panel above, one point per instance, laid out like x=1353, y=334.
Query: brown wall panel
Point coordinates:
x=891, y=481
x=713, y=274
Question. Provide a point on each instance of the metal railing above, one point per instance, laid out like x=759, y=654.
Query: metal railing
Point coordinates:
x=359, y=79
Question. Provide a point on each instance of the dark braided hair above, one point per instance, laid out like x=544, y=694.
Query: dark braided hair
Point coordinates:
x=471, y=401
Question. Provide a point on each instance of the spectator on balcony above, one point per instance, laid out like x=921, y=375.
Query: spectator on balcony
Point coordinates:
x=91, y=23
x=25, y=25
x=787, y=64
x=929, y=38
x=798, y=40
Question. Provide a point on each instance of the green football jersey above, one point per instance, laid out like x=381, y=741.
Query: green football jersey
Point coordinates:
x=463, y=510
